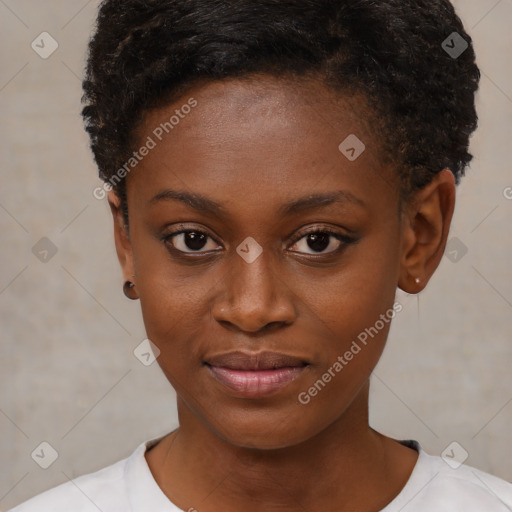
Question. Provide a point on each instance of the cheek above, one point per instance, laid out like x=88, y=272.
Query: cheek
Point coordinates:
x=353, y=311
x=176, y=308
x=171, y=324
x=174, y=311
x=172, y=294
x=354, y=296
x=358, y=326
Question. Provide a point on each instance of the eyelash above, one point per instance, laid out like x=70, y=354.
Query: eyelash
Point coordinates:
x=344, y=239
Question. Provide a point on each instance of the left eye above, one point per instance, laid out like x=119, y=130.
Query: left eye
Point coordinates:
x=318, y=241
x=194, y=241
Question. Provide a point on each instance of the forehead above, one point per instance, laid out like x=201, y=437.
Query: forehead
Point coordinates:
x=265, y=135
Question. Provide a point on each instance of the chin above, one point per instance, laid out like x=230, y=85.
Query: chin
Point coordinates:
x=264, y=433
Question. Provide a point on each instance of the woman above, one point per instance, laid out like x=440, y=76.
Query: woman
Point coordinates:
x=275, y=170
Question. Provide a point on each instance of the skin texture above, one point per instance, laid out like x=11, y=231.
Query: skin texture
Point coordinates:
x=252, y=146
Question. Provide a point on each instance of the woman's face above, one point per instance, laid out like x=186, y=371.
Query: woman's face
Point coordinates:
x=249, y=309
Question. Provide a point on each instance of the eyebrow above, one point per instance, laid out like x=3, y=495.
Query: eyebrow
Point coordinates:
x=195, y=201
x=310, y=202
x=314, y=201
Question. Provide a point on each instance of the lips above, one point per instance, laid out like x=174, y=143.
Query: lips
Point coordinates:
x=255, y=375
x=255, y=361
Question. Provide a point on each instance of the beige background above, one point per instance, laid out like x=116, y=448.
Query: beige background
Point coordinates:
x=68, y=374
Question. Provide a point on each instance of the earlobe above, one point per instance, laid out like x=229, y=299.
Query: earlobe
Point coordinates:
x=425, y=229
x=121, y=237
x=129, y=290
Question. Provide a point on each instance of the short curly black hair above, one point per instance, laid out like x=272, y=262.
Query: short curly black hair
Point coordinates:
x=402, y=55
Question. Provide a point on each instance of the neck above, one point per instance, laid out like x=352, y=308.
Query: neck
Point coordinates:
x=347, y=464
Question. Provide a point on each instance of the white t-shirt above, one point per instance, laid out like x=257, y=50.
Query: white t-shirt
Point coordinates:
x=129, y=486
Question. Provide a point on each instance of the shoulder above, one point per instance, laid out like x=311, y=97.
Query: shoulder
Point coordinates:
x=105, y=489
x=125, y=485
x=446, y=486
x=471, y=489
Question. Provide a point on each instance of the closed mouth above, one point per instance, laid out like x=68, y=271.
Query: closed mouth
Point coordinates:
x=255, y=375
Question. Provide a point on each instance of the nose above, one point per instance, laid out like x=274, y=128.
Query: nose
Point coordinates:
x=254, y=296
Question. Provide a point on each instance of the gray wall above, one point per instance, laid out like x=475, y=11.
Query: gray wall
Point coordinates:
x=68, y=374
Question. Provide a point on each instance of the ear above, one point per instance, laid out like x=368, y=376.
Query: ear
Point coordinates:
x=425, y=228
x=121, y=236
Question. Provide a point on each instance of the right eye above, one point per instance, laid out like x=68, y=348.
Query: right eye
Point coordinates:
x=189, y=241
